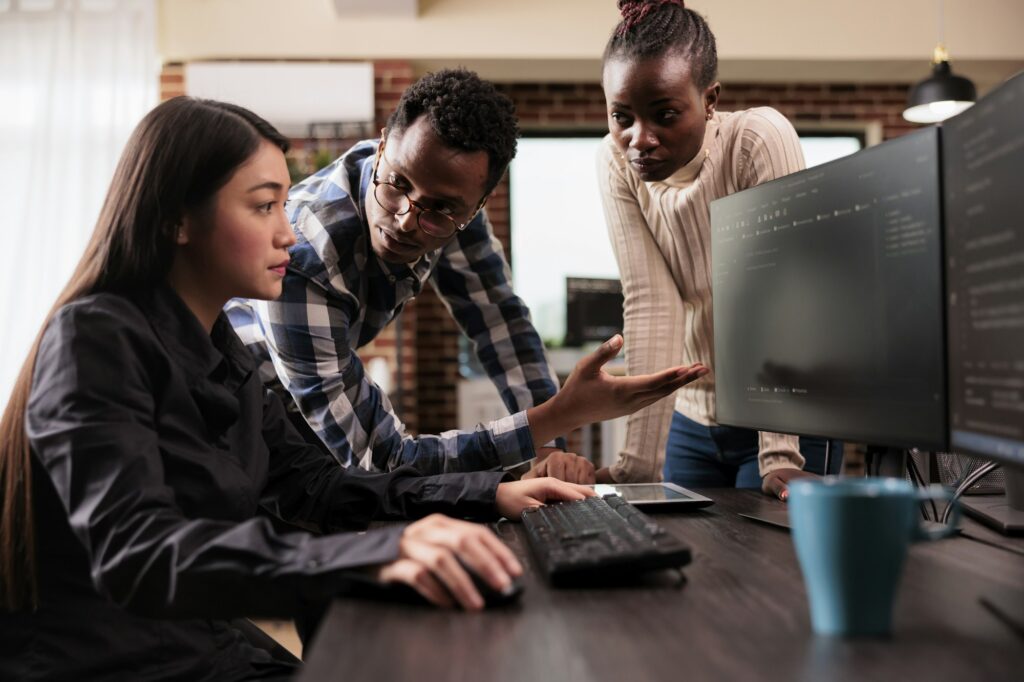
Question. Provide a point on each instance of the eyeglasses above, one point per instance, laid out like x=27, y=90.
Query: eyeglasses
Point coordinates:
x=396, y=201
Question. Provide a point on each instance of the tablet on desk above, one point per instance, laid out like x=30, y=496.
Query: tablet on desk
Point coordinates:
x=655, y=496
x=780, y=519
x=773, y=517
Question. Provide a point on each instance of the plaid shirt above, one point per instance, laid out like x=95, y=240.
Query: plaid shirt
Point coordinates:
x=338, y=296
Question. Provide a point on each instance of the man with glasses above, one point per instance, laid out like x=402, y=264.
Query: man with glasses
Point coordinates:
x=373, y=228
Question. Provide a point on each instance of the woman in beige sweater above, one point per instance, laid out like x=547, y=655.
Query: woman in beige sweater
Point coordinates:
x=668, y=155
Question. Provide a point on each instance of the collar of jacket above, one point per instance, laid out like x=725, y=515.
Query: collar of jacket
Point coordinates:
x=214, y=365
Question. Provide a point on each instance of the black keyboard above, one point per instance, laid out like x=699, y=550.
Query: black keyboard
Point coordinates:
x=599, y=537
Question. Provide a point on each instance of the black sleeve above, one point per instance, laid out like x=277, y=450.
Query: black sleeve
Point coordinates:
x=95, y=437
x=308, y=487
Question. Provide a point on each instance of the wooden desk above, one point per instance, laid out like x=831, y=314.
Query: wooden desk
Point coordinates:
x=740, y=615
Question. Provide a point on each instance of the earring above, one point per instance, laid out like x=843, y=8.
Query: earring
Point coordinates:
x=710, y=115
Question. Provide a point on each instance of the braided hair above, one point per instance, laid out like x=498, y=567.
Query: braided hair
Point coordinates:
x=651, y=28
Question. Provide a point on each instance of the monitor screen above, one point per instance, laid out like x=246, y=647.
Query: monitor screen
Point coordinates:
x=828, y=299
x=983, y=158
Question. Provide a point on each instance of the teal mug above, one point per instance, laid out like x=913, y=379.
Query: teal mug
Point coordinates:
x=851, y=537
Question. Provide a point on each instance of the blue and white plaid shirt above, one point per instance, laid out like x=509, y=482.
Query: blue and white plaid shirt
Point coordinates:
x=338, y=296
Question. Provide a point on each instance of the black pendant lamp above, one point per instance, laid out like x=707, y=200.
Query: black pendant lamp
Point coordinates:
x=941, y=95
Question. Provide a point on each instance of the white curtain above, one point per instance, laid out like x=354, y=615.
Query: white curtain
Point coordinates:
x=75, y=78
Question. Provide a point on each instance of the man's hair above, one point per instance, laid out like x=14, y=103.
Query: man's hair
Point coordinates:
x=467, y=113
x=652, y=28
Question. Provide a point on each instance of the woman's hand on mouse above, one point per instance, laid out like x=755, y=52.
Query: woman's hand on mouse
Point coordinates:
x=429, y=554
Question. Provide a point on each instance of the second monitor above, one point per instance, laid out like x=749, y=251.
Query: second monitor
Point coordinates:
x=828, y=304
x=593, y=309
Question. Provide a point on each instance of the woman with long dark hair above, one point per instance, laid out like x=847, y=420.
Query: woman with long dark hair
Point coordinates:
x=141, y=459
x=668, y=155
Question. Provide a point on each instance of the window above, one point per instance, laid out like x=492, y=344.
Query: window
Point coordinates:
x=557, y=225
x=822, y=148
x=826, y=141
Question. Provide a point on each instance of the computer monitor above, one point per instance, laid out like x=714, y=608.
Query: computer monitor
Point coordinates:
x=593, y=309
x=828, y=305
x=983, y=158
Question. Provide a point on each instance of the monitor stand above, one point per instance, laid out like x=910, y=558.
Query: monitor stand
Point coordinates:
x=888, y=462
x=1005, y=513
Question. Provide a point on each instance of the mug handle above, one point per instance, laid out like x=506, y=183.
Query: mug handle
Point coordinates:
x=938, y=493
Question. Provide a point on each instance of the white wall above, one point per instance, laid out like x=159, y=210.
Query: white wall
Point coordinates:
x=791, y=40
x=578, y=29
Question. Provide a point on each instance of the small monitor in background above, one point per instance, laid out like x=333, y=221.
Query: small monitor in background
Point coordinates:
x=593, y=309
x=828, y=300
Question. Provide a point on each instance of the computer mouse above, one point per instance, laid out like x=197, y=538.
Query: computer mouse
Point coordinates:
x=493, y=597
x=401, y=592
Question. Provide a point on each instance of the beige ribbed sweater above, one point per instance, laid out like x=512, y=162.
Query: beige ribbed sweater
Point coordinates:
x=661, y=235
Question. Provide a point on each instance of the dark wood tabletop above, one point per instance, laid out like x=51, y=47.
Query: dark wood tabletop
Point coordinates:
x=739, y=614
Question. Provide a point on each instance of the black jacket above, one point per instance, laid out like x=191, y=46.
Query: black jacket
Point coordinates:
x=157, y=458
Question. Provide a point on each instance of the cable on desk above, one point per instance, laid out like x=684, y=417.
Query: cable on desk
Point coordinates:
x=931, y=500
x=997, y=611
x=498, y=527
x=966, y=484
x=991, y=543
x=918, y=480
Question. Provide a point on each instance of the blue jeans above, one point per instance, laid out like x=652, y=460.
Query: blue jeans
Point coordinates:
x=699, y=456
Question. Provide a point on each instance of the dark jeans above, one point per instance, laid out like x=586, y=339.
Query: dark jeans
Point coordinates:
x=699, y=456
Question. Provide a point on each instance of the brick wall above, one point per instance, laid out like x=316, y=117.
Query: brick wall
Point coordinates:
x=837, y=102
x=429, y=348
x=581, y=106
x=390, y=79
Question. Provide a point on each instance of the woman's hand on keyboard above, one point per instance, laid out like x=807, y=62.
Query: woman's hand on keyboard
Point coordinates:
x=516, y=496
